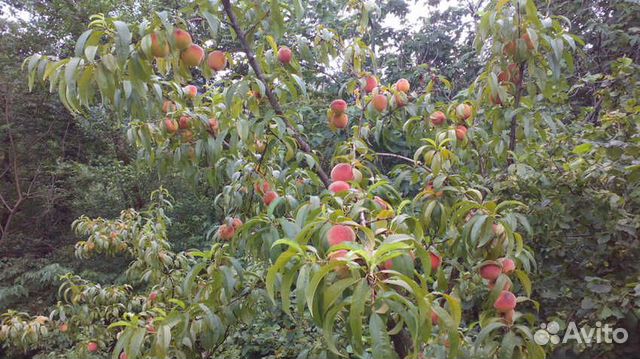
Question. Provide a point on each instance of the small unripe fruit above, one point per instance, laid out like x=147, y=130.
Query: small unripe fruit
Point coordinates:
x=339, y=186
x=508, y=265
x=269, y=197
x=153, y=296
x=438, y=118
x=461, y=133
x=338, y=106
x=216, y=60
x=403, y=85
x=159, y=48
x=285, y=55
x=92, y=347
x=342, y=172
x=379, y=102
x=170, y=125
x=340, y=233
x=370, y=83
x=490, y=271
x=168, y=106
x=262, y=188
x=506, y=301
x=340, y=121
x=183, y=123
x=191, y=91
x=436, y=261
x=463, y=111
x=192, y=56
x=226, y=232
x=183, y=39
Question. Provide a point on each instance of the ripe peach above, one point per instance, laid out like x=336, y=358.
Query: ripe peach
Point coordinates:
x=216, y=60
x=226, y=232
x=338, y=106
x=183, y=39
x=371, y=83
x=340, y=121
x=92, y=347
x=342, y=172
x=123, y=355
x=461, y=132
x=403, y=85
x=438, y=118
x=506, y=301
x=168, y=106
x=262, y=188
x=191, y=91
x=436, y=261
x=285, y=55
x=170, y=125
x=183, y=123
x=192, y=56
x=400, y=102
x=339, y=186
x=269, y=197
x=514, y=73
x=508, y=265
x=463, y=111
x=388, y=265
x=380, y=102
x=64, y=327
x=340, y=233
x=159, y=49
x=490, y=271
x=153, y=296
x=504, y=77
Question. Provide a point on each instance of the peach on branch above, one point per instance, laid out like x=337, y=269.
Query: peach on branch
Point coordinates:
x=506, y=301
x=193, y=55
x=262, y=188
x=170, y=125
x=371, y=82
x=438, y=118
x=461, y=132
x=339, y=186
x=153, y=296
x=379, y=102
x=217, y=60
x=182, y=38
x=269, y=197
x=508, y=316
x=214, y=125
x=184, y=121
x=527, y=40
x=340, y=233
x=338, y=106
x=168, y=106
x=403, y=85
x=159, y=48
x=436, y=261
x=236, y=223
x=342, y=172
x=340, y=121
x=285, y=55
x=464, y=111
x=400, y=102
x=226, y=232
x=191, y=91
x=508, y=265
x=64, y=327
x=490, y=271
x=92, y=347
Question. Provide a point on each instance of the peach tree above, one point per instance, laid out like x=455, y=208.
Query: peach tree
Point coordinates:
x=389, y=255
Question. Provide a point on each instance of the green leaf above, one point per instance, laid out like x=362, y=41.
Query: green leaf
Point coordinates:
x=381, y=345
x=123, y=40
x=358, y=300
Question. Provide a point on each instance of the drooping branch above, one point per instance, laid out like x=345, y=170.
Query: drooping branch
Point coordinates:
x=304, y=146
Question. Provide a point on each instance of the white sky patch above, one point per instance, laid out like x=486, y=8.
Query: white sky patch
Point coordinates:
x=418, y=11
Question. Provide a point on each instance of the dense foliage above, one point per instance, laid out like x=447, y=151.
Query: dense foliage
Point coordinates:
x=228, y=207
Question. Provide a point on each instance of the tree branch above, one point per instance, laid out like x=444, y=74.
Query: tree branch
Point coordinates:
x=304, y=146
